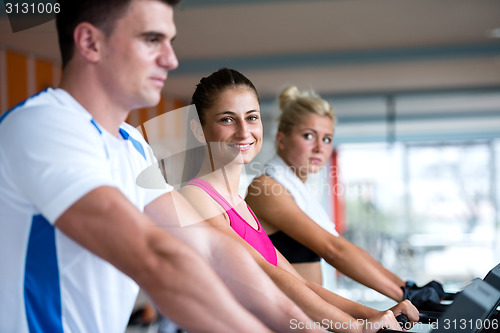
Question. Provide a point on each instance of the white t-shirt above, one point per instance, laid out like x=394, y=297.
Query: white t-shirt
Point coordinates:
x=51, y=154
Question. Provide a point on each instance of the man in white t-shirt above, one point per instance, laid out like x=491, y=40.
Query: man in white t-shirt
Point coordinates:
x=78, y=236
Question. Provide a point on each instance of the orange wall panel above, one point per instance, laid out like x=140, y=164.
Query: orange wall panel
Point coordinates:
x=44, y=74
x=143, y=115
x=17, y=78
x=160, y=108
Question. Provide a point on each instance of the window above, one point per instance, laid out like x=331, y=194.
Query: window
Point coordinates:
x=425, y=210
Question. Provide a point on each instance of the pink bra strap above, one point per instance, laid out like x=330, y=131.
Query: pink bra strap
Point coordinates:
x=211, y=191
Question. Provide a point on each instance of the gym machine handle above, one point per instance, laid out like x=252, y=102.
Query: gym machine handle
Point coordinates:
x=403, y=322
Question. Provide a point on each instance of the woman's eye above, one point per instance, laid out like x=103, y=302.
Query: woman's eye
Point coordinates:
x=308, y=136
x=327, y=140
x=253, y=118
x=226, y=120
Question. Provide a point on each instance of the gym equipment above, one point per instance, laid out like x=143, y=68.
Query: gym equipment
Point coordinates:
x=432, y=308
x=493, y=278
x=427, y=297
x=474, y=310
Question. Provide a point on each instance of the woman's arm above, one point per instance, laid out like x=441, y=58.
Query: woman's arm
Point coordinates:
x=354, y=309
x=288, y=280
x=279, y=211
x=231, y=262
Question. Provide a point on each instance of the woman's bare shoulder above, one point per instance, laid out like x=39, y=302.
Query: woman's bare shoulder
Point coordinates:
x=201, y=201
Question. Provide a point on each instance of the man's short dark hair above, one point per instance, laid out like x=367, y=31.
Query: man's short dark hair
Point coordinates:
x=101, y=13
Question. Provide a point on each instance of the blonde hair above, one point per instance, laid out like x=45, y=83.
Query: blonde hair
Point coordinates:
x=295, y=105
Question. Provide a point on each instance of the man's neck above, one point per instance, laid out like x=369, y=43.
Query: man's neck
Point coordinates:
x=108, y=114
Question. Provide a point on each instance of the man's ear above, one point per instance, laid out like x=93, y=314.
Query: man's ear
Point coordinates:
x=88, y=41
x=197, y=131
x=280, y=140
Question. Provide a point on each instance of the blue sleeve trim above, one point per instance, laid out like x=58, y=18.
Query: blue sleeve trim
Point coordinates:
x=96, y=126
x=137, y=145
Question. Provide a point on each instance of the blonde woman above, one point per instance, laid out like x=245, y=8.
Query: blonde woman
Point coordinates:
x=295, y=221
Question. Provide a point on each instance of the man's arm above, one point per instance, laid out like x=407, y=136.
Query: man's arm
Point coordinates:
x=251, y=286
x=180, y=283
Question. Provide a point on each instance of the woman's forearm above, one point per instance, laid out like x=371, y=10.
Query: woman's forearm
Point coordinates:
x=319, y=310
x=393, y=277
x=354, y=309
x=253, y=288
x=361, y=267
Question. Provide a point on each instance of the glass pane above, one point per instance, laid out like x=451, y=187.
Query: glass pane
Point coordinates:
x=425, y=211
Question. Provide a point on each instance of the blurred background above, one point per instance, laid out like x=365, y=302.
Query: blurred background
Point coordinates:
x=415, y=176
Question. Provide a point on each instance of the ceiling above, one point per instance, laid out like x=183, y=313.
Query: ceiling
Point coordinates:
x=335, y=47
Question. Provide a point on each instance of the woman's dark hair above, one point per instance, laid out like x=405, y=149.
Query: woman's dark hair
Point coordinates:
x=204, y=97
x=100, y=13
x=210, y=87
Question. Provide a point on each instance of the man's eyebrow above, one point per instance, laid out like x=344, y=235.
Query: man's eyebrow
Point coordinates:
x=156, y=34
x=152, y=34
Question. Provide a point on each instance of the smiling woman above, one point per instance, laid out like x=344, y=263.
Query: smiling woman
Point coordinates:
x=230, y=129
x=233, y=126
x=229, y=123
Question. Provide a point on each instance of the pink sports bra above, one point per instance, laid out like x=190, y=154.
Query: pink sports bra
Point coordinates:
x=255, y=237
